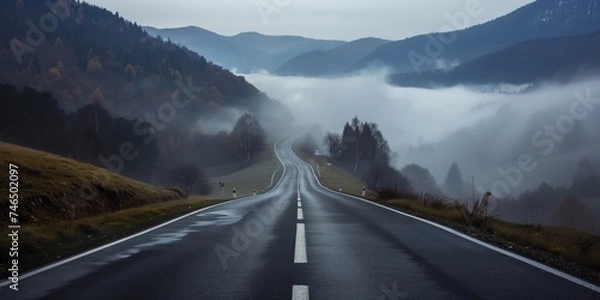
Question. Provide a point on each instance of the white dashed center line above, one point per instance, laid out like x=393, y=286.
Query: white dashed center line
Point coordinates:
x=300, y=292
x=300, y=251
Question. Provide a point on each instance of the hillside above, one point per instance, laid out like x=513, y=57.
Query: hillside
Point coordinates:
x=560, y=59
x=329, y=62
x=53, y=188
x=246, y=52
x=538, y=20
x=94, y=55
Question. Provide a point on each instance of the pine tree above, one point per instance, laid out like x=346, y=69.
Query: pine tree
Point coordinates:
x=454, y=182
x=348, y=141
x=585, y=181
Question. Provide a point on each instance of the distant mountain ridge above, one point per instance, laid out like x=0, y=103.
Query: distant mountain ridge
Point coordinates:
x=246, y=52
x=299, y=56
x=329, y=62
x=556, y=59
x=537, y=20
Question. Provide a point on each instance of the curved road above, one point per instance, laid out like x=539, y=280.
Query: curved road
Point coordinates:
x=298, y=241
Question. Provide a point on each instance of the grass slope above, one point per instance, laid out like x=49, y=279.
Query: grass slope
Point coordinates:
x=252, y=177
x=53, y=188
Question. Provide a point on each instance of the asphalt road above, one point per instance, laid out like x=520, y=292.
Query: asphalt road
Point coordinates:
x=297, y=241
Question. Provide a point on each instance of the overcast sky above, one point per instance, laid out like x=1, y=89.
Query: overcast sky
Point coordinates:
x=328, y=19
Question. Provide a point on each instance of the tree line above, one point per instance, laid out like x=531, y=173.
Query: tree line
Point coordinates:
x=92, y=135
x=362, y=149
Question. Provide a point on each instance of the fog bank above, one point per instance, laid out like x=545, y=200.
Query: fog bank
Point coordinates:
x=481, y=131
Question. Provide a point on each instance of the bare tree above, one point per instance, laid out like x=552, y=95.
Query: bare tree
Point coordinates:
x=333, y=142
x=247, y=137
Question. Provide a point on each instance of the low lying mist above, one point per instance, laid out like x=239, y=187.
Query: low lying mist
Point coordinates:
x=510, y=138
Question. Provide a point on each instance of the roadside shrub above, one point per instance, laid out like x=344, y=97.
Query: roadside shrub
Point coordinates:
x=437, y=201
x=387, y=193
x=477, y=214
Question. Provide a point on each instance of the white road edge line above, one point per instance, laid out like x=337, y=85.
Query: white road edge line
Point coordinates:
x=300, y=292
x=523, y=259
x=273, y=177
x=78, y=256
x=298, y=186
x=300, y=251
x=300, y=214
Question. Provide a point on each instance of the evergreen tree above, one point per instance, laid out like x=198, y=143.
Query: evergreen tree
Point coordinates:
x=454, y=182
x=348, y=141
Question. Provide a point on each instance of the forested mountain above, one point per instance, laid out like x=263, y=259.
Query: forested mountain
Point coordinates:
x=82, y=82
x=246, y=52
x=538, y=20
x=92, y=55
x=329, y=62
x=558, y=59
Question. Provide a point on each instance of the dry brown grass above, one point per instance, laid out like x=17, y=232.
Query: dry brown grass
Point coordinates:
x=53, y=188
x=559, y=241
x=422, y=208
